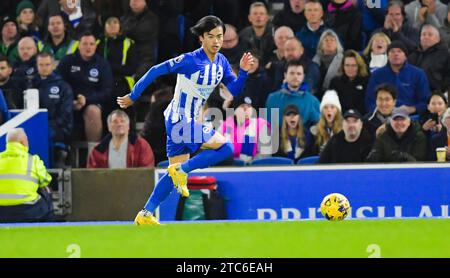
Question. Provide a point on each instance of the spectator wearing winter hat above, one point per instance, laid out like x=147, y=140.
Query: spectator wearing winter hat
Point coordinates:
x=294, y=91
x=330, y=122
x=411, y=82
x=244, y=130
x=403, y=140
x=295, y=141
x=442, y=139
x=28, y=21
x=351, y=145
x=9, y=38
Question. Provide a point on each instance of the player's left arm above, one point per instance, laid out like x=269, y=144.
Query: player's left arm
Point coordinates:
x=234, y=84
x=174, y=65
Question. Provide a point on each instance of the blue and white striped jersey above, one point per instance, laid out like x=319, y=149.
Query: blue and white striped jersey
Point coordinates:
x=197, y=77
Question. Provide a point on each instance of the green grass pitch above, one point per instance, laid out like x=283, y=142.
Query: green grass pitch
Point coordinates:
x=349, y=238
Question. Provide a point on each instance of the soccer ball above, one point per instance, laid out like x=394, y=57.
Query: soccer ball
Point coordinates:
x=335, y=207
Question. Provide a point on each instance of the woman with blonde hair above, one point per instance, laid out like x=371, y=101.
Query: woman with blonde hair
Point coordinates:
x=375, y=54
x=330, y=122
x=328, y=56
x=351, y=83
x=294, y=141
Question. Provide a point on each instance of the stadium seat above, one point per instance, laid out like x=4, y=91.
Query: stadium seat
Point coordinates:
x=308, y=160
x=238, y=162
x=77, y=150
x=273, y=161
x=163, y=164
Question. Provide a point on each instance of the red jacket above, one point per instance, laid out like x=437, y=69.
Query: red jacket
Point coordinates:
x=139, y=153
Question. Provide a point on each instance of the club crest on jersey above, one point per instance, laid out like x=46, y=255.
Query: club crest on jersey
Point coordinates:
x=219, y=74
x=29, y=71
x=176, y=60
x=93, y=72
x=93, y=75
x=54, y=90
x=206, y=129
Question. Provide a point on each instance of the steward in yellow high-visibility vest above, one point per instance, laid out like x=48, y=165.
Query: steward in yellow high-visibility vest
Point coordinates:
x=53, y=43
x=121, y=53
x=23, y=181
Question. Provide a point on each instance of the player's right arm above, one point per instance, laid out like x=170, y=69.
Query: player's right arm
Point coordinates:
x=174, y=65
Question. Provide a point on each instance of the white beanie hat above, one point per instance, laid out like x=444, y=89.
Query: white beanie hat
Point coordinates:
x=330, y=97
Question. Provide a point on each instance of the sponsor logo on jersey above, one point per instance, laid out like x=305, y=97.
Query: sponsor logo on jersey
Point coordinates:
x=176, y=60
x=75, y=68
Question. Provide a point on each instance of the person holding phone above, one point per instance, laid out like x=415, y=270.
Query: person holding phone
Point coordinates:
x=430, y=120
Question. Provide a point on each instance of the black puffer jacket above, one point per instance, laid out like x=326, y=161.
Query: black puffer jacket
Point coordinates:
x=143, y=29
x=435, y=61
x=286, y=17
x=412, y=146
x=346, y=22
x=339, y=150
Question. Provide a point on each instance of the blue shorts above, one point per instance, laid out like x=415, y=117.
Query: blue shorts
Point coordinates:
x=185, y=137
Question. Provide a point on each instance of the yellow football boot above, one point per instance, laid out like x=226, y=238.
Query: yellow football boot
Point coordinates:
x=179, y=179
x=145, y=218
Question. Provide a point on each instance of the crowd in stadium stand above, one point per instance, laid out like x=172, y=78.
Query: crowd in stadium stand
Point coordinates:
x=354, y=80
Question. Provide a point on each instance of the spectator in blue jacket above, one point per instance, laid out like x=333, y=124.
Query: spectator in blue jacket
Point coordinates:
x=4, y=112
x=310, y=33
x=294, y=91
x=56, y=96
x=91, y=79
x=411, y=82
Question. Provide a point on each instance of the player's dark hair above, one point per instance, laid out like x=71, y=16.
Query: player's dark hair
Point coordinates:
x=206, y=24
x=295, y=63
x=391, y=89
